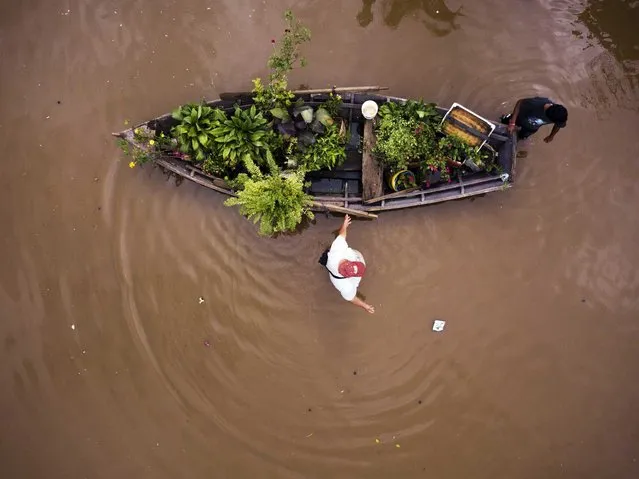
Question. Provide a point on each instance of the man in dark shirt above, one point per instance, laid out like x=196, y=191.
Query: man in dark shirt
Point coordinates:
x=532, y=113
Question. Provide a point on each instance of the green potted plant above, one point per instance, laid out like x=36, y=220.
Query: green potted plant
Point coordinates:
x=402, y=180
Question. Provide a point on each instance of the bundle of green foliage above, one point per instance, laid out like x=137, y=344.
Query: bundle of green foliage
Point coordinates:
x=314, y=140
x=405, y=133
x=327, y=152
x=452, y=151
x=409, y=133
x=194, y=133
x=246, y=132
x=276, y=93
x=278, y=202
x=220, y=142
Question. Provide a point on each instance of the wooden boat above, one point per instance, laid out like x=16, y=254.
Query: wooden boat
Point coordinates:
x=357, y=187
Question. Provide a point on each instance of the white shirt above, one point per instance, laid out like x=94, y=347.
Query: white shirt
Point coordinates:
x=339, y=251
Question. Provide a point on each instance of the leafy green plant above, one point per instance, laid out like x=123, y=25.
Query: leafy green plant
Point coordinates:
x=138, y=155
x=333, y=104
x=283, y=60
x=273, y=97
x=437, y=159
x=286, y=55
x=404, y=180
x=396, y=143
x=486, y=159
x=328, y=151
x=145, y=146
x=246, y=132
x=277, y=202
x=214, y=165
x=405, y=132
x=194, y=134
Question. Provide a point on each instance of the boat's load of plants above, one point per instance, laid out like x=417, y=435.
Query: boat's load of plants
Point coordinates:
x=409, y=137
x=264, y=150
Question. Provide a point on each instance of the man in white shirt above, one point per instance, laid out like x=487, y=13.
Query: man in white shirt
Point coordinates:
x=346, y=267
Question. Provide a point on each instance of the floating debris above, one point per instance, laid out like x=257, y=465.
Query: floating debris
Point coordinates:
x=438, y=325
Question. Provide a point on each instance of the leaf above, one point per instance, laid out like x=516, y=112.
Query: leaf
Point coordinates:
x=297, y=111
x=287, y=128
x=203, y=139
x=280, y=113
x=177, y=114
x=195, y=144
x=307, y=115
x=199, y=111
x=324, y=117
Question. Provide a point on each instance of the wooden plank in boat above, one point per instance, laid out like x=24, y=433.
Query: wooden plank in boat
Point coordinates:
x=372, y=170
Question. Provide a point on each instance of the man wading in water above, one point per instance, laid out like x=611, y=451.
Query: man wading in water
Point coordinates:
x=346, y=267
x=532, y=113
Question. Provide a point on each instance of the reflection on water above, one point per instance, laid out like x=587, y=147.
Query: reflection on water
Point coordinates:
x=614, y=24
x=440, y=19
x=614, y=73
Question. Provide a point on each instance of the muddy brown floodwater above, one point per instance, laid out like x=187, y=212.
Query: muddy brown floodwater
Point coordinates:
x=111, y=366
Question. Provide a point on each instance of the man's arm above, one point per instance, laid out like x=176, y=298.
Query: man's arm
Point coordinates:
x=513, y=117
x=358, y=302
x=555, y=130
x=344, y=227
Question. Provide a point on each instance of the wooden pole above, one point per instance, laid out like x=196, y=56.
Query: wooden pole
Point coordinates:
x=347, y=89
x=341, y=209
x=397, y=194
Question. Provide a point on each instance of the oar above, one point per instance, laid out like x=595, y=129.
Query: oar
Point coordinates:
x=341, y=209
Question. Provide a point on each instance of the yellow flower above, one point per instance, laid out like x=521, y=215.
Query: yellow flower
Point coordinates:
x=136, y=131
x=151, y=142
x=161, y=135
x=126, y=122
x=132, y=164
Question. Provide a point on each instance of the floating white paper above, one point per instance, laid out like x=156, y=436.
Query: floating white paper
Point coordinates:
x=438, y=325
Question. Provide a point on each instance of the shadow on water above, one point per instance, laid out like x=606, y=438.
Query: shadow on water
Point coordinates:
x=440, y=20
